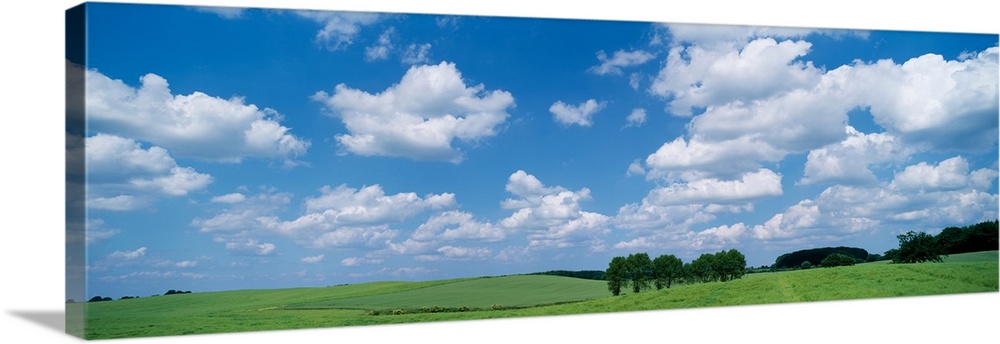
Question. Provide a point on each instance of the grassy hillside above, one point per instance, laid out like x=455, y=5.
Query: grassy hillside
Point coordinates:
x=257, y=310
x=512, y=291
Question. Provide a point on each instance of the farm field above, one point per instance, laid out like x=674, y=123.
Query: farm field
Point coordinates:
x=352, y=305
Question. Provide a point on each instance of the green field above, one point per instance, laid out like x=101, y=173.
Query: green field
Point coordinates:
x=351, y=305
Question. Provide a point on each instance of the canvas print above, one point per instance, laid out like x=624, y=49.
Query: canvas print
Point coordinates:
x=247, y=169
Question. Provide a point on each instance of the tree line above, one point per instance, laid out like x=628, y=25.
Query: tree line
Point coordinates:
x=105, y=298
x=638, y=272
x=918, y=247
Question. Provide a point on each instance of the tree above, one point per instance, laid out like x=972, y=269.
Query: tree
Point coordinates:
x=890, y=254
x=639, y=271
x=701, y=269
x=806, y=265
x=837, y=259
x=667, y=269
x=616, y=275
x=730, y=264
x=917, y=248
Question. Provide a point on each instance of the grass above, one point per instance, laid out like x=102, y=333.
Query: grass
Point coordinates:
x=258, y=310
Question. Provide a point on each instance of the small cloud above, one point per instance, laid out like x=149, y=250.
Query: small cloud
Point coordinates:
x=186, y=264
x=357, y=261
x=636, y=118
x=339, y=28
x=128, y=255
x=416, y=54
x=579, y=115
x=224, y=12
x=635, y=169
x=313, y=259
x=229, y=198
x=251, y=247
x=381, y=50
x=621, y=58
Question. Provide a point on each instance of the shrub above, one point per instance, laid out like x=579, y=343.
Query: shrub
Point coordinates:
x=806, y=265
x=837, y=259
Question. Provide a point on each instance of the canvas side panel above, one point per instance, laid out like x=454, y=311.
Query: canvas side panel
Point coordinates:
x=76, y=41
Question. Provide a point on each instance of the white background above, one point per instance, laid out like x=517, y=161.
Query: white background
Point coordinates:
x=32, y=167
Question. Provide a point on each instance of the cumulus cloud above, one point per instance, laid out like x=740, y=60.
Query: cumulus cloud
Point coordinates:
x=235, y=197
x=457, y=226
x=950, y=174
x=339, y=28
x=552, y=216
x=700, y=76
x=420, y=116
x=681, y=159
x=636, y=118
x=922, y=196
x=619, y=60
x=950, y=105
x=242, y=212
x=849, y=161
x=343, y=216
x=578, y=115
x=195, y=125
x=122, y=175
x=751, y=186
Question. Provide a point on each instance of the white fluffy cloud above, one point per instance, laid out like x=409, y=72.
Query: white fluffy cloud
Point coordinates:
x=751, y=186
x=195, y=125
x=620, y=59
x=419, y=117
x=946, y=104
x=235, y=197
x=339, y=28
x=343, y=216
x=921, y=196
x=950, y=174
x=122, y=175
x=702, y=76
x=580, y=115
x=849, y=160
x=695, y=159
x=552, y=216
x=636, y=118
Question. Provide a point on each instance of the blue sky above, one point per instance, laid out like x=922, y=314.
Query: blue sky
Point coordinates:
x=232, y=149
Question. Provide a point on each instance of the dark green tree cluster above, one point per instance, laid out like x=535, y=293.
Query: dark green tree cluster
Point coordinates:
x=816, y=255
x=638, y=271
x=837, y=259
x=982, y=236
x=917, y=247
x=584, y=274
x=99, y=299
x=171, y=292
